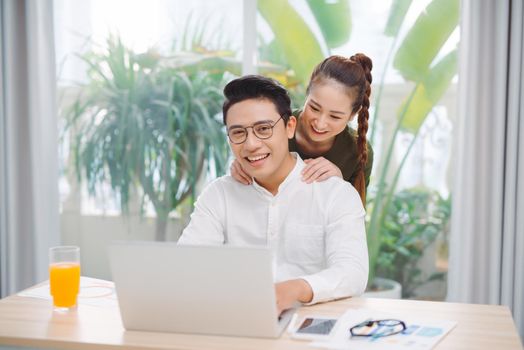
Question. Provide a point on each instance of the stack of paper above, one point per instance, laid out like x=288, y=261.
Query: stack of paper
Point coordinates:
x=93, y=292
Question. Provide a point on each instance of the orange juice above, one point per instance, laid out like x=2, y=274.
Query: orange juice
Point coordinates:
x=64, y=282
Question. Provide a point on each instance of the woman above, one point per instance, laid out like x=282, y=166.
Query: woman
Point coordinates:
x=338, y=90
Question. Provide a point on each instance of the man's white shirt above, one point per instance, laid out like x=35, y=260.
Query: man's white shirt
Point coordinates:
x=316, y=231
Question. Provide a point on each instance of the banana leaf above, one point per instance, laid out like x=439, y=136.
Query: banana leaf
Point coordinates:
x=397, y=13
x=425, y=39
x=298, y=42
x=220, y=65
x=429, y=92
x=334, y=20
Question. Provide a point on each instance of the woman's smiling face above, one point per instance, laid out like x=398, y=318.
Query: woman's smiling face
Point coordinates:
x=326, y=112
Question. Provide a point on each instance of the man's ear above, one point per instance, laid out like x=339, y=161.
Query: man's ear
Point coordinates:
x=291, y=126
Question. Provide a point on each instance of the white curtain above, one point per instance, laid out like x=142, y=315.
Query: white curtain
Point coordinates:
x=487, y=238
x=29, y=221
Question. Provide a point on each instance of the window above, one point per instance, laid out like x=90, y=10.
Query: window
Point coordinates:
x=140, y=99
x=164, y=48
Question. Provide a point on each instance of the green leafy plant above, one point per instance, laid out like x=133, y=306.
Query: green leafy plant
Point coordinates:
x=415, y=218
x=142, y=122
x=416, y=60
x=295, y=41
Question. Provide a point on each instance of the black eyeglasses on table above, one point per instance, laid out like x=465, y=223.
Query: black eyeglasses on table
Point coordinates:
x=378, y=328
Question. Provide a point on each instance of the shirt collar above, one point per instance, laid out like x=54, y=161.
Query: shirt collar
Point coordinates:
x=293, y=175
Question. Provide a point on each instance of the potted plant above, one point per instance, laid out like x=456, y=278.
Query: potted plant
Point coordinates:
x=415, y=218
x=143, y=123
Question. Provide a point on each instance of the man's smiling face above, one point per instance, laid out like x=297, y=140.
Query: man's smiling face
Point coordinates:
x=262, y=159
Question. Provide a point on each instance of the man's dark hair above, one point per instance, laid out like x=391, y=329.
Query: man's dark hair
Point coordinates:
x=257, y=87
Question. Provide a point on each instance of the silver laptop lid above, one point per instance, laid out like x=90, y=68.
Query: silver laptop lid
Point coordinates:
x=195, y=289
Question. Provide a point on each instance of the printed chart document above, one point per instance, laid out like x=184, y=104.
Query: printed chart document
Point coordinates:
x=420, y=334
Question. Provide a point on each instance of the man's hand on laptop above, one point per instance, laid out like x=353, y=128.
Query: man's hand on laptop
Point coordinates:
x=289, y=292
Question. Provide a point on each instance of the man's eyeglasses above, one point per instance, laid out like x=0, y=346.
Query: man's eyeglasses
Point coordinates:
x=377, y=328
x=264, y=130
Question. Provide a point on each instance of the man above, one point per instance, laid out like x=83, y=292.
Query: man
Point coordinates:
x=316, y=231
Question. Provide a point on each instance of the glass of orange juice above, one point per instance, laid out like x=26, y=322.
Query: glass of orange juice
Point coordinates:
x=64, y=275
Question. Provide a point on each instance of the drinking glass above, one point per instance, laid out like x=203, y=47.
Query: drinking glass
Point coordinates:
x=64, y=276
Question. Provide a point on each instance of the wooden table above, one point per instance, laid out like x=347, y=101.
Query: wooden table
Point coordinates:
x=31, y=322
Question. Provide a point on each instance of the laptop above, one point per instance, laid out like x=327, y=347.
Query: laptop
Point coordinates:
x=222, y=290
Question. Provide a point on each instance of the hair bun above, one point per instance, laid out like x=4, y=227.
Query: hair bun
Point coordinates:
x=365, y=62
